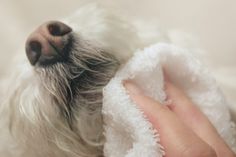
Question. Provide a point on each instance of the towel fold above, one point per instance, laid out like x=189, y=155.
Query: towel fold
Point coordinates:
x=128, y=133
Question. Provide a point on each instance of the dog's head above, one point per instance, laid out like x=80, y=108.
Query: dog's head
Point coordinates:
x=56, y=103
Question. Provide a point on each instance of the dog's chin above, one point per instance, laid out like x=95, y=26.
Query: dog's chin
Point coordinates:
x=62, y=103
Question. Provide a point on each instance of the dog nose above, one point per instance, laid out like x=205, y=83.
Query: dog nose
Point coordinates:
x=46, y=44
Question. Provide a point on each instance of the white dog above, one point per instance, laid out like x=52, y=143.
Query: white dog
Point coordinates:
x=51, y=107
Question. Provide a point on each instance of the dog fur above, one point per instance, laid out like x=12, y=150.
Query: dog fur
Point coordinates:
x=56, y=110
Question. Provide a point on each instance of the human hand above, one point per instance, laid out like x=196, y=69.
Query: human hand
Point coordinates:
x=184, y=130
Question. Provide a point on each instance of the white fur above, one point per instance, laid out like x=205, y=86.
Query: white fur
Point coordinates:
x=31, y=123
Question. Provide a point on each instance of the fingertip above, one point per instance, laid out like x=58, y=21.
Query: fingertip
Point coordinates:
x=166, y=77
x=167, y=83
x=147, y=104
x=132, y=87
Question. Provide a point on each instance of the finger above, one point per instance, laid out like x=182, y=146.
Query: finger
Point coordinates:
x=180, y=104
x=191, y=115
x=177, y=139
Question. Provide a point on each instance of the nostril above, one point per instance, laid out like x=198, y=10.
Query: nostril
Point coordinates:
x=33, y=51
x=35, y=46
x=58, y=29
x=54, y=29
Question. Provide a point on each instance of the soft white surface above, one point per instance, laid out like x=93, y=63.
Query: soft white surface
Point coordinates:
x=128, y=133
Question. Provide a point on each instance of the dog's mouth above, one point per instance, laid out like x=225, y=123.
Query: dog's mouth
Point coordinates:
x=50, y=43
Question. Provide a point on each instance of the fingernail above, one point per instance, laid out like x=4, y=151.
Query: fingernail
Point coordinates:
x=132, y=88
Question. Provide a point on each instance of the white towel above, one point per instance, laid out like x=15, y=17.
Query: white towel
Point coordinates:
x=127, y=131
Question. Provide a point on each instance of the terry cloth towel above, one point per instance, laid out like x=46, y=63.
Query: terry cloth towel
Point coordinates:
x=128, y=133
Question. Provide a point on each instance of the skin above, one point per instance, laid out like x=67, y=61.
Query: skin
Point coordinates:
x=184, y=130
